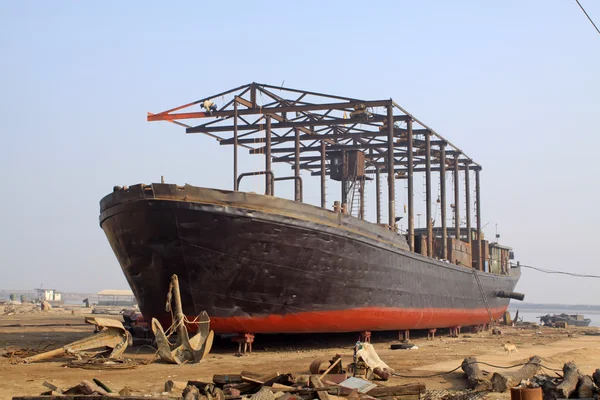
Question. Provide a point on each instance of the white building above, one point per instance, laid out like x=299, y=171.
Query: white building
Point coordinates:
x=50, y=295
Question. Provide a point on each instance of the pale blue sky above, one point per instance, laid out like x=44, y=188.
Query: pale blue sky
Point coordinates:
x=515, y=84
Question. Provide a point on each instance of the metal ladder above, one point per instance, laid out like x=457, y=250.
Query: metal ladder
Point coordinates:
x=483, y=296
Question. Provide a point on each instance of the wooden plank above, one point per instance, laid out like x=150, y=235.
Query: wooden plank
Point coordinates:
x=316, y=382
x=328, y=370
x=400, y=390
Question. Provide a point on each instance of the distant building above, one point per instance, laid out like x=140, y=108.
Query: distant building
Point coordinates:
x=50, y=295
x=122, y=298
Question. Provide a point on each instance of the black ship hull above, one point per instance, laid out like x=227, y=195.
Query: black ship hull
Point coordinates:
x=262, y=264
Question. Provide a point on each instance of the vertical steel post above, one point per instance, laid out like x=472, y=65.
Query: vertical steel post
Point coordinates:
x=468, y=199
x=480, y=260
x=456, y=198
x=411, y=211
x=323, y=176
x=235, y=144
x=253, y=94
x=443, y=200
x=297, y=165
x=390, y=169
x=428, y=193
x=269, y=189
x=378, y=193
x=361, y=211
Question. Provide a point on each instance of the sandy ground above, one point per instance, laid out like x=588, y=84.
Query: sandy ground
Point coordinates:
x=287, y=353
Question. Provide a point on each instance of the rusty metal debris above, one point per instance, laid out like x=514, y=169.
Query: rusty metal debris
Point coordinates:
x=102, y=363
x=186, y=349
x=111, y=340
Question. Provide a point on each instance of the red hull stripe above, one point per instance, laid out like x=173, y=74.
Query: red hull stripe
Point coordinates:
x=354, y=320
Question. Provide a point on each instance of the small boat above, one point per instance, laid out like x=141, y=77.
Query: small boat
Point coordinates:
x=571, y=319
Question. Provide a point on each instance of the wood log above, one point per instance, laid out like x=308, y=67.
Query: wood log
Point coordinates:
x=190, y=393
x=85, y=397
x=501, y=382
x=400, y=390
x=476, y=378
x=226, y=379
x=89, y=387
x=317, y=384
x=596, y=377
x=585, y=387
x=251, y=383
x=46, y=355
x=52, y=387
x=403, y=397
x=569, y=383
x=261, y=380
x=175, y=386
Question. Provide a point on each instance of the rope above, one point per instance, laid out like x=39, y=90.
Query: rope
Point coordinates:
x=471, y=363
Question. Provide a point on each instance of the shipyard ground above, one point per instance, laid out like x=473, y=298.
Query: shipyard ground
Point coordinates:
x=288, y=354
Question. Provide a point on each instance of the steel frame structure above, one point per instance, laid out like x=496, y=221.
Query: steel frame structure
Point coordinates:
x=300, y=127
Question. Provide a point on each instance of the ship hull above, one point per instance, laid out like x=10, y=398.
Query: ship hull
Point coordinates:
x=267, y=265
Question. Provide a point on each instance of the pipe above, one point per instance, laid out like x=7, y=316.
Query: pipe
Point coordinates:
x=297, y=182
x=510, y=295
x=270, y=173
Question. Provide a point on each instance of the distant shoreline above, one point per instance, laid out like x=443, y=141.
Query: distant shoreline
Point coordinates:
x=517, y=305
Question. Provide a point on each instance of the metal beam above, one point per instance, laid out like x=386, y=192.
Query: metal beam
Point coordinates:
x=260, y=150
x=468, y=200
x=283, y=125
x=480, y=264
x=456, y=199
x=443, y=200
x=390, y=166
x=235, y=147
x=428, y=195
x=297, y=165
x=339, y=136
x=378, y=194
x=323, y=175
x=269, y=110
x=401, y=173
x=268, y=158
x=411, y=209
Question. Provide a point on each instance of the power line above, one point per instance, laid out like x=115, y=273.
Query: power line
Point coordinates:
x=549, y=271
x=588, y=17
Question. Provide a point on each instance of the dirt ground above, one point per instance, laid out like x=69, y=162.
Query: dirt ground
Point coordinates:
x=287, y=353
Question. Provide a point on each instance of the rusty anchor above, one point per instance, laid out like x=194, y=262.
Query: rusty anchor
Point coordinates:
x=112, y=338
x=186, y=349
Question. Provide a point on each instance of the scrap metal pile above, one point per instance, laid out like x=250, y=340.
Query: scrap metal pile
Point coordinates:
x=332, y=382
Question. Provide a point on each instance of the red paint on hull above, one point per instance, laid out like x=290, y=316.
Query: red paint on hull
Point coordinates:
x=354, y=320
